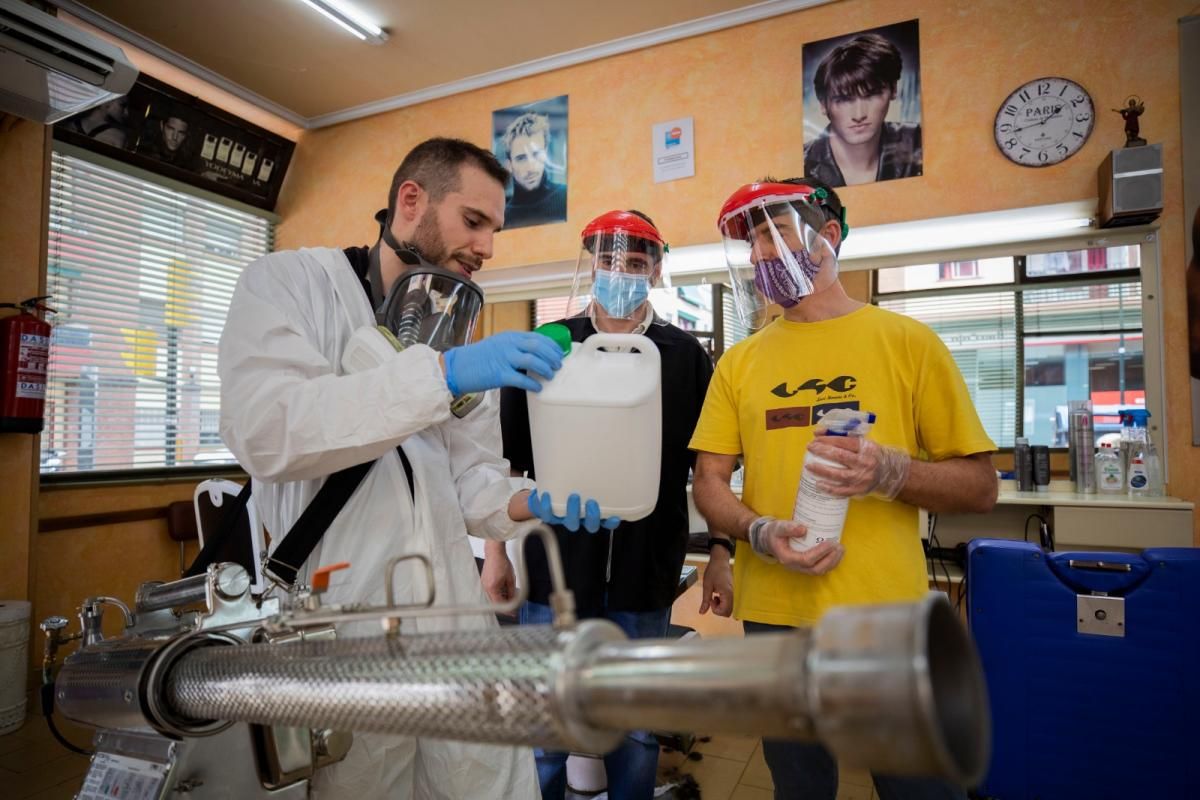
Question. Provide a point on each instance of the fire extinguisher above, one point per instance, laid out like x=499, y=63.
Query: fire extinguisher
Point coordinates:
x=24, y=355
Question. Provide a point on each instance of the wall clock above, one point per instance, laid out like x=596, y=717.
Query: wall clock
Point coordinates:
x=1044, y=122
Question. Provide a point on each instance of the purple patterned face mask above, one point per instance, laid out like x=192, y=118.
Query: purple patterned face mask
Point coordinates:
x=778, y=282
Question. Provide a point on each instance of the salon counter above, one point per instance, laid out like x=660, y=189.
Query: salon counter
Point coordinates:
x=1078, y=521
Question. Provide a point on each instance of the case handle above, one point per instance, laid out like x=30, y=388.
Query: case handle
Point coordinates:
x=636, y=340
x=1102, y=566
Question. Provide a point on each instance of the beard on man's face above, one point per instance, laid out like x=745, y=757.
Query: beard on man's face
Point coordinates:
x=427, y=238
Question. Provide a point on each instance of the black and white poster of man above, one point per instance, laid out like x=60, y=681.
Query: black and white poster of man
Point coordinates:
x=161, y=129
x=862, y=106
x=531, y=142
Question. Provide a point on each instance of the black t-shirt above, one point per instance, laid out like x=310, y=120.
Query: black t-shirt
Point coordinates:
x=647, y=555
x=360, y=260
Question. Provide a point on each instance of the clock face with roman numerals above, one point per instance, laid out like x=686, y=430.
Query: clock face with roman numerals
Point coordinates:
x=1044, y=122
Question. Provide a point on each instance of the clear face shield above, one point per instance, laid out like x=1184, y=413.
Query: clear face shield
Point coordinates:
x=620, y=261
x=433, y=306
x=775, y=257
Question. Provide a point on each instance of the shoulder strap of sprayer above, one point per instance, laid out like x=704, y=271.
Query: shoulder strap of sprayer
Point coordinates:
x=288, y=558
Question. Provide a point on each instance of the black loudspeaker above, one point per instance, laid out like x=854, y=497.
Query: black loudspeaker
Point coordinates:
x=1131, y=186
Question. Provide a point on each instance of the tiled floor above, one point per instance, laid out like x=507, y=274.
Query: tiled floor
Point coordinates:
x=732, y=768
x=35, y=767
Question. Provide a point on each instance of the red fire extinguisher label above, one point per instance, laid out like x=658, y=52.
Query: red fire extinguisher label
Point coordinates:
x=33, y=352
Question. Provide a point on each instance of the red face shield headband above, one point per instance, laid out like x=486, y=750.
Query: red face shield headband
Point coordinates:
x=731, y=220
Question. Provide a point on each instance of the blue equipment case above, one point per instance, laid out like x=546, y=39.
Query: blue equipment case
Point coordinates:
x=1093, y=697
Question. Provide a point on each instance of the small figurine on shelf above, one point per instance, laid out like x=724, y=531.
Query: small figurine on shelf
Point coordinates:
x=1134, y=108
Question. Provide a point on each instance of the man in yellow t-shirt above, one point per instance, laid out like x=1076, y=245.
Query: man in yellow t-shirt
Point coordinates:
x=927, y=448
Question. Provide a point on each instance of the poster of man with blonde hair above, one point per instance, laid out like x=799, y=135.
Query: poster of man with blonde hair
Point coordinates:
x=531, y=142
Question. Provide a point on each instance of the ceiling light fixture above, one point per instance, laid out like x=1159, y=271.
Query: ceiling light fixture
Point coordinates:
x=350, y=19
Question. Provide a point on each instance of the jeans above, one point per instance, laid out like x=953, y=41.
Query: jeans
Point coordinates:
x=803, y=771
x=633, y=767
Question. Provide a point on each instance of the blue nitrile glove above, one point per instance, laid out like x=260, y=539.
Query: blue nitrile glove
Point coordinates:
x=498, y=360
x=539, y=506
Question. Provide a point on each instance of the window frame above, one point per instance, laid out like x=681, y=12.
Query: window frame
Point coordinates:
x=162, y=474
x=1146, y=240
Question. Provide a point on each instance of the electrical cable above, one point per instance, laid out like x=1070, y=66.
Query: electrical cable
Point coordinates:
x=964, y=602
x=1029, y=519
x=961, y=603
x=929, y=525
x=935, y=557
x=936, y=549
x=47, y=697
x=1045, y=537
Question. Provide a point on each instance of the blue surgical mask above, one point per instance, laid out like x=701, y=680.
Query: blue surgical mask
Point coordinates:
x=620, y=293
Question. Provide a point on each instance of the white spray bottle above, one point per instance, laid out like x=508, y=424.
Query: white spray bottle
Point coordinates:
x=822, y=513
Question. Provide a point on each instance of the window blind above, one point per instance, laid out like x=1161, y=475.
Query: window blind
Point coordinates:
x=141, y=276
x=980, y=332
x=734, y=331
x=1086, y=308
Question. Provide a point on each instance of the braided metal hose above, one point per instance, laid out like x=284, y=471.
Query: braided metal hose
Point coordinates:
x=895, y=689
x=486, y=686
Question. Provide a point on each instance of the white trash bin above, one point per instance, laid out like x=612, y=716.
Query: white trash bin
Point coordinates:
x=14, y=659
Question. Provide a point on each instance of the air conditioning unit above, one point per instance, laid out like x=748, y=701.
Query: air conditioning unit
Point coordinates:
x=50, y=70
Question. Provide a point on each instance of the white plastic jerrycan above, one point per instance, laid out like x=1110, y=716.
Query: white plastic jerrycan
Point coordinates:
x=596, y=427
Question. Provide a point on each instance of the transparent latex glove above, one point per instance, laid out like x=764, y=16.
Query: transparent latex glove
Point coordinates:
x=499, y=360
x=769, y=539
x=539, y=505
x=867, y=467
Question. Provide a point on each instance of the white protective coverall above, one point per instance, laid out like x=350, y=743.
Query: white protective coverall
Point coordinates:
x=291, y=417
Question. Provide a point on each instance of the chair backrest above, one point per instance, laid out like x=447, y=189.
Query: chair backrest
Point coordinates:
x=181, y=522
x=209, y=500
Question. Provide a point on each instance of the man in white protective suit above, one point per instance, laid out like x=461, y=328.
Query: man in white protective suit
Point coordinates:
x=293, y=415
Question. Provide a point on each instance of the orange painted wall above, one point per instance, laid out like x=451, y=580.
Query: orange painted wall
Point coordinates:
x=104, y=559
x=23, y=176
x=71, y=565
x=743, y=88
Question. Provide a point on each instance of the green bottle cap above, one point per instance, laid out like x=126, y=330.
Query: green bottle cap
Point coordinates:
x=561, y=335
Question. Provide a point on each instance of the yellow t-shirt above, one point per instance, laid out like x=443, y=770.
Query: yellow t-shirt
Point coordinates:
x=765, y=396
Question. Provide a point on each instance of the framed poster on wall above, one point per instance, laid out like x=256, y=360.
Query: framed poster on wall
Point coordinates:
x=530, y=140
x=862, y=106
x=163, y=130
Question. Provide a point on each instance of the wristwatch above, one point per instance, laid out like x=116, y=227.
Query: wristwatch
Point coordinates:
x=715, y=541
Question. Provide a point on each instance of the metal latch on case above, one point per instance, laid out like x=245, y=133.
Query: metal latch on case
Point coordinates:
x=1100, y=615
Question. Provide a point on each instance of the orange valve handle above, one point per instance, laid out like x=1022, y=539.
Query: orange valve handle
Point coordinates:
x=320, y=578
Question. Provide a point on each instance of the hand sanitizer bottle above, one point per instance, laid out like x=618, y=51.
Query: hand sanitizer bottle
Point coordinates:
x=1110, y=470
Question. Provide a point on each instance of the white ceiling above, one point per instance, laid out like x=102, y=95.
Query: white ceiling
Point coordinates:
x=287, y=58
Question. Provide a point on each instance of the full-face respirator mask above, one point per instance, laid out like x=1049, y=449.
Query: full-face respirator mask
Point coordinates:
x=427, y=304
